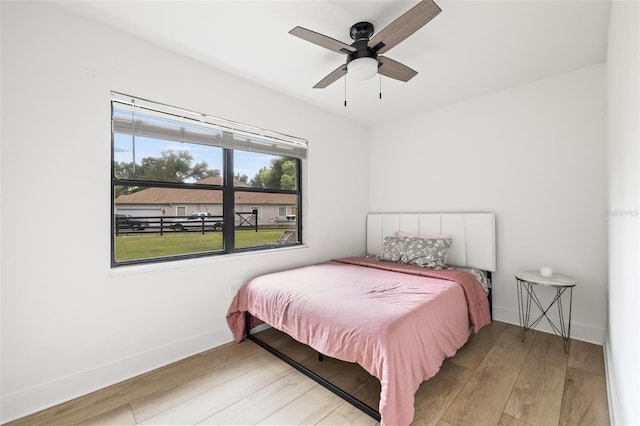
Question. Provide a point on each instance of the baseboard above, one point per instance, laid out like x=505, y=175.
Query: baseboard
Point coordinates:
x=610, y=380
x=46, y=395
x=579, y=331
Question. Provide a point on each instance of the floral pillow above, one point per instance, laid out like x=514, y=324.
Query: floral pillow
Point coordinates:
x=392, y=249
x=428, y=253
x=401, y=234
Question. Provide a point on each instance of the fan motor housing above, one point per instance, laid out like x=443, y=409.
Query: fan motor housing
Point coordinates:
x=361, y=33
x=361, y=30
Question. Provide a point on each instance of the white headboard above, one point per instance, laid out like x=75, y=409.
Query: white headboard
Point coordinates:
x=473, y=234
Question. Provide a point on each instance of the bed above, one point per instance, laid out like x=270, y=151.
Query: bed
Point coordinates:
x=398, y=320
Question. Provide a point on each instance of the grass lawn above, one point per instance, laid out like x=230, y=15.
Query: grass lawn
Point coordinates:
x=147, y=245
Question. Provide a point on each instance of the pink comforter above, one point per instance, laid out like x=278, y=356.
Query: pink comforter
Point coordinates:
x=399, y=326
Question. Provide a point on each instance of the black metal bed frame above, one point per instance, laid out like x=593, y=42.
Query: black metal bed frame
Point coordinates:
x=304, y=370
x=367, y=409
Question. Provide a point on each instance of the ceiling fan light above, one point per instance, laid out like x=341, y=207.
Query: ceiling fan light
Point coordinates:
x=362, y=68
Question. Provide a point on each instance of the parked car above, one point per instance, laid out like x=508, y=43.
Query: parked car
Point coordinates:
x=286, y=218
x=196, y=221
x=126, y=221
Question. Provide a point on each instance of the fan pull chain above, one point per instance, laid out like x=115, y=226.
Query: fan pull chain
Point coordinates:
x=380, y=75
x=345, y=91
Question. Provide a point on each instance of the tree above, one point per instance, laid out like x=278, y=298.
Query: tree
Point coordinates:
x=261, y=179
x=288, y=178
x=171, y=166
x=241, y=178
x=123, y=170
x=175, y=166
x=201, y=171
x=281, y=175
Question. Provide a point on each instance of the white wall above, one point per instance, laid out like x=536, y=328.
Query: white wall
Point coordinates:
x=623, y=119
x=70, y=325
x=536, y=156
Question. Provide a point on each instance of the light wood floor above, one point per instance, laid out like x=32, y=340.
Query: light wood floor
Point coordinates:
x=495, y=379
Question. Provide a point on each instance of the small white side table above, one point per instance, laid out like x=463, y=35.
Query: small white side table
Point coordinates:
x=526, y=294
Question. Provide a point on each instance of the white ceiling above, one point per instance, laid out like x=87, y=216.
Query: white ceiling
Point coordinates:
x=470, y=49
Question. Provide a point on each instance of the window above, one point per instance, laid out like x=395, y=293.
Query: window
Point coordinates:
x=188, y=185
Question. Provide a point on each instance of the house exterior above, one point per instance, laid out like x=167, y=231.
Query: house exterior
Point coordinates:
x=169, y=202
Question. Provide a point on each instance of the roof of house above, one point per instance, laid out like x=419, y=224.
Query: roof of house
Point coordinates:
x=197, y=196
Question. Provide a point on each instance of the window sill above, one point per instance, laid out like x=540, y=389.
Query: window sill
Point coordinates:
x=127, y=270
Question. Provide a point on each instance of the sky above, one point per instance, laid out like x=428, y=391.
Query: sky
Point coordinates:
x=245, y=163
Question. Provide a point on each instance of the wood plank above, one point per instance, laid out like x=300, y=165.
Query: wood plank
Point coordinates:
x=498, y=372
x=101, y=401
x=535, y=395
x=112, y=397
x=119, y=416
x=346, y=414
x=264, y=402
x=479, y=345
x=310, y=408
x=436, y=394
x=587, y=357
x=166, y=398
x=207, y=403
x=507, y=420
x=584, y=401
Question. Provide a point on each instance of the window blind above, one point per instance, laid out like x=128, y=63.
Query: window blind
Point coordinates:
x=142, y=118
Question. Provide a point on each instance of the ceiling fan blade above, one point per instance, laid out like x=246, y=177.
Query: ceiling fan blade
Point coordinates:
x=322, y=40
x=407, y=24
x=394, y=69
x=332, y=77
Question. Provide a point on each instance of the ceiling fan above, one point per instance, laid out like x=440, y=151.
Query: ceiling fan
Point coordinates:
x=364, y=59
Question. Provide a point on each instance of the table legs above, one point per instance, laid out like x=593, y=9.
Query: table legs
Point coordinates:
x=527, y=295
